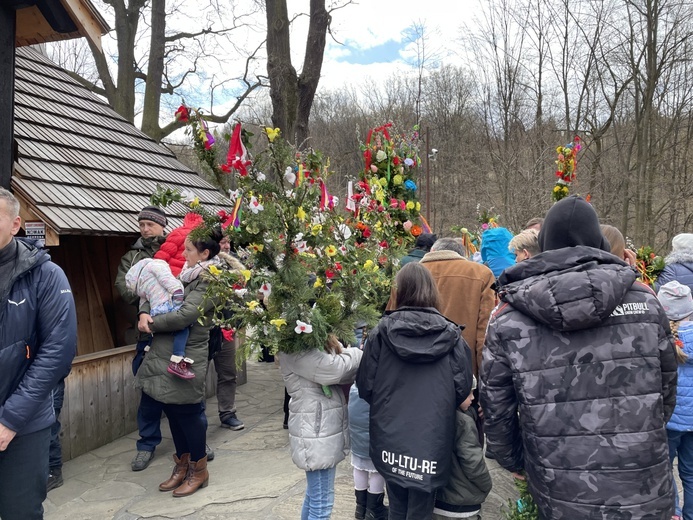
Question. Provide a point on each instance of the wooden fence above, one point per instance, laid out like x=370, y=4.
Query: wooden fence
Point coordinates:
x=101, y=401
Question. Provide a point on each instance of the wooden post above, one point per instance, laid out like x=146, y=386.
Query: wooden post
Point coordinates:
x=8, y=18
x=428, y=180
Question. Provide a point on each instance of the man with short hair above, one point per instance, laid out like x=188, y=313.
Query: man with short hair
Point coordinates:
x=525, y=245
x=466, y=291
x=38, y=340
x=423, y=245
x=579, y=377
x=534, y=223
x=152, y=222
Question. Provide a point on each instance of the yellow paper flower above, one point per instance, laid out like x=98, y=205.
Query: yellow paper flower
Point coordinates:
x=246, y=274
x=195, y=202
x=368, y=265
x=378, y=226
x=258, y=248
x=316, y=229
x=272, y=133
x=214, y=270
x=383, y=182
x=330, y=250
x=418, y=206
x=301, y=214
x=252, y=304
x=318, y=283
x=410, y=205
x=278, y=322
x=397, y=180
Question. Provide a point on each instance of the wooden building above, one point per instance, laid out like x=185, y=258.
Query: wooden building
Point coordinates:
x=82, y=174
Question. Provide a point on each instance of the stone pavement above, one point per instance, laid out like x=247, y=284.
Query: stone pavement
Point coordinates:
x=252, y=476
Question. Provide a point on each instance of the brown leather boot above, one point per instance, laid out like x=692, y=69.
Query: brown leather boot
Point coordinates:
x=197, y=477
x=179, y=472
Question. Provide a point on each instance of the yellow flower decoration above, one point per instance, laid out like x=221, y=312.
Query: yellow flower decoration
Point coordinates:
x=397, y=180
x=246, y=274
x=410, y=205
x=195, y=202
x=253, y=304
x=301, y=214
x=378, y=226
x=318, y=283
x=418, y=206
x=316, y=229
x=368, y=265
x=272, y=133
x=258, y=248
x=214, y=270
x=383, y=182
x=278, y=322
x=330, y=250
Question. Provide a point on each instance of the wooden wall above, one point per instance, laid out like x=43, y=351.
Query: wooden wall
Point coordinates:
x=101, y=401
x=90, y=263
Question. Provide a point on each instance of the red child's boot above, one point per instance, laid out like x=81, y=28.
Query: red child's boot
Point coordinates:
x=181, y=368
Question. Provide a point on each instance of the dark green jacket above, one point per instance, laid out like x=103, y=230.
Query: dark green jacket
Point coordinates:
x=152, y=376
x=415, y=255
x=143, y=248
x=470, y=481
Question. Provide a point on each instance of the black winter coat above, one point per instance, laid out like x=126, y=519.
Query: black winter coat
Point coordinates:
x=578, y=381
x=415, y=372
x=38, y=339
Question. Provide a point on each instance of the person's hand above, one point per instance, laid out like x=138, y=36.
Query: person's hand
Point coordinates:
x=630, y=256
x=143, y=324
x=6, y=436
x=518, y=476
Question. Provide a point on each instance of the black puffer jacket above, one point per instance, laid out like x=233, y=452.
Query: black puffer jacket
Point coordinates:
x=416, y=369
x=585, y=355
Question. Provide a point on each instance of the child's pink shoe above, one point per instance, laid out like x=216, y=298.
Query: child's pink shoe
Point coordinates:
x=180, y=369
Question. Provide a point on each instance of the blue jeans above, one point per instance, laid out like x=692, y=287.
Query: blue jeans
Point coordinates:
x=319, y=494
x=681, y=445
x=149, y=423
x=23, y=476
x=55, y=457
x=180, y=340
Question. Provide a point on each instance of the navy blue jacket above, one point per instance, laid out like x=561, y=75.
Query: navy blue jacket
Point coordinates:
x=38, y=339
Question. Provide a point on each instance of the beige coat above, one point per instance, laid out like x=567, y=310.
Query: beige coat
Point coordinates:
x=318, y=424
x=466, y=296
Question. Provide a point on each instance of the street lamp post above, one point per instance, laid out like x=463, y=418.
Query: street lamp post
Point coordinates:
x=428, y=179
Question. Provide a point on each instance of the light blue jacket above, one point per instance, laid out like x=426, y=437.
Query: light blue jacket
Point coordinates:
x=682, y=420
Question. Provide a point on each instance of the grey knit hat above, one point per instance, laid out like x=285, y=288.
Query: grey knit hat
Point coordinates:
x=682, y=241
x=154, y=214
x=676, y=300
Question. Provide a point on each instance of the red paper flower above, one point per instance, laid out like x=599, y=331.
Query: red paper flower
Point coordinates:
x=182, y=114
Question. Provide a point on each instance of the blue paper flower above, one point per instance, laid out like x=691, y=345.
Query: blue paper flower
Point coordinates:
x=410, y=185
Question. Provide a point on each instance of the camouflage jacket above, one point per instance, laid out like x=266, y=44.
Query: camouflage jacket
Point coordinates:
x=578, y=381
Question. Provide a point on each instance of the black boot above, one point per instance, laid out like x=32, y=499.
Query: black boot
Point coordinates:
x=375, y=509
x=55, y=478
x=361, y=501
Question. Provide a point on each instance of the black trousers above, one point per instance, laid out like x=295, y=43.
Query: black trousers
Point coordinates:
x=188, y=429
x=409, y=504
x=23, y=476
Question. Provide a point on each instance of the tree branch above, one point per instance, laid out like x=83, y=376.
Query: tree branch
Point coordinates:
x=93, y=87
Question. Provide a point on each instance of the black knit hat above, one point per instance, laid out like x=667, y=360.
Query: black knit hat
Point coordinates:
x=154, y=214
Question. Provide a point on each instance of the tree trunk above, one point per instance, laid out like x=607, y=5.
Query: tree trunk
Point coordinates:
x=281, y=73
x=155, y=71
x=312, y=65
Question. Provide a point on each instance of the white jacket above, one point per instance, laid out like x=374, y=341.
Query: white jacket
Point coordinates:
x=318, y=424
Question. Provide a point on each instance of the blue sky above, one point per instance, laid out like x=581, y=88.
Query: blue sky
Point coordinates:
x=381, y=53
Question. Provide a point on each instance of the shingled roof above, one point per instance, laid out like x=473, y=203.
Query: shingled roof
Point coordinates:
x=82, y=168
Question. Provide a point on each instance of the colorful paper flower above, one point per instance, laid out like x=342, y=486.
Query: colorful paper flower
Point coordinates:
x=278, y=322
x=303, y=328
x=272, y=133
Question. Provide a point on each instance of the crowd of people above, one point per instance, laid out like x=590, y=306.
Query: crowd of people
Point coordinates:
x=548, y=355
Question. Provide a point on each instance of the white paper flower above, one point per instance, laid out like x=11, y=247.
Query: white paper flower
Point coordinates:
x=343, y=250
x=234, y=194
x=290, y=194
x=299, y=237
x=380, y=156
x=187, y=196
x=260, y=176
x=240, y=292
x=342, y=232
x=303, y=328
x=289, y=175
x=255, y=205
x=301, y=246
x=266, y=289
